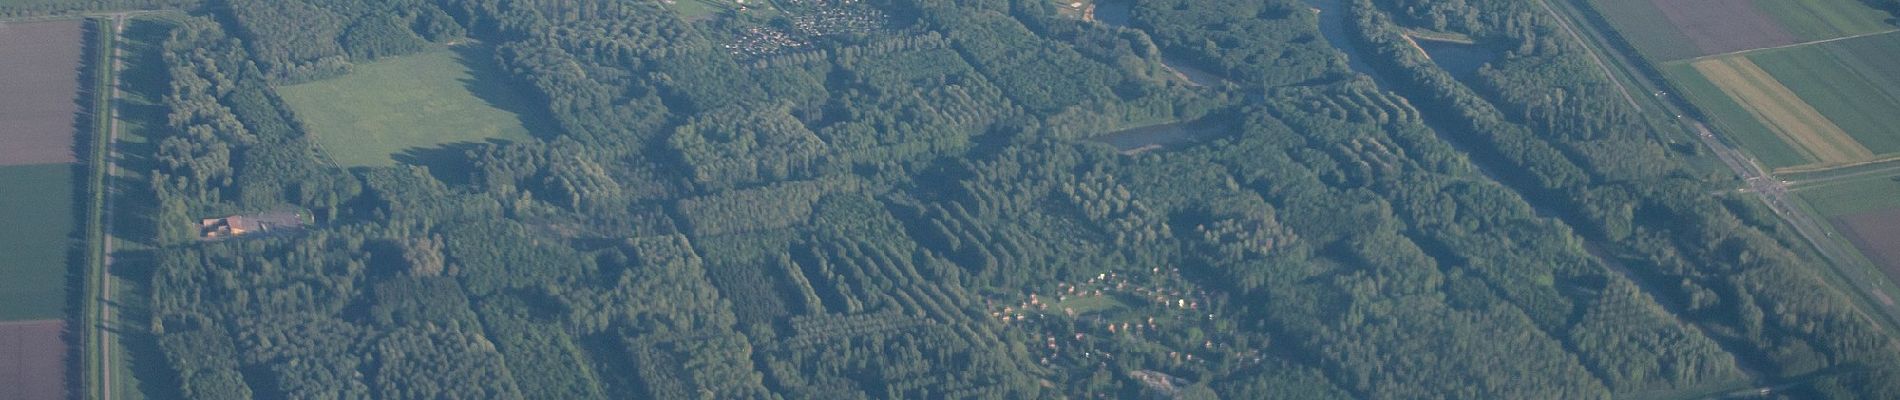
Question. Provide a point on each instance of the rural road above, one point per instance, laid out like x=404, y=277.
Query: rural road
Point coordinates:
x=106, y=334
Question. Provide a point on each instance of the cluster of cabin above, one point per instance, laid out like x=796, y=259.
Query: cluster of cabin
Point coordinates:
x=241, y=225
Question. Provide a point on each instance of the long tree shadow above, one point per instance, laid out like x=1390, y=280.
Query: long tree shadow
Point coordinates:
x=78, y=260
x=493, y=86
x=143, y=355
x=143, y=80
x=451, y=163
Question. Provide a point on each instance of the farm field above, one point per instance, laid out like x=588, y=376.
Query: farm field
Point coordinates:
x=385, y=108
x=1867, y=212
x=1811, y=20
x=1722, y=26
x=1793, y=119
x=38, y=112
x=1854, y=196
x=1828, y=104
x=41, y=88
x=31, y=358
x=1849, y=92
x=1670, y=30
x=36, y=229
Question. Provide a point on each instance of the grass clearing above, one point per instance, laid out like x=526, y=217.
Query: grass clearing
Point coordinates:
x=1088, y=304
x=36, y=231
x=692, y=10
x=1794, y=120
x=1825, y=19
x=385, y=108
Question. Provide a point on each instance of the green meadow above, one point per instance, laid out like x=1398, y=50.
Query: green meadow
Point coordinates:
x=384, y=108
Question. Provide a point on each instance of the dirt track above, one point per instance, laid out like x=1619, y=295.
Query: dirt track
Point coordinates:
x=32, y=360
x=39, y=91
x=1722, y=26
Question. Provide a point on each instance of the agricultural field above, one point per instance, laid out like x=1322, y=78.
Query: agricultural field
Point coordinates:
x=37, y=119
x=30, y=359
x=1804, y=108
x=384, y=108
x=38, y=113
x=1669, y=30
x=38, y=221
x=41, y=88
x=1867, y=212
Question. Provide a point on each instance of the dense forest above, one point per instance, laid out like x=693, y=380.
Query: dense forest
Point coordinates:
x=903, y=200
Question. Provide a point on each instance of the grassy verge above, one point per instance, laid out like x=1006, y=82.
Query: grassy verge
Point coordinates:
x=105, y=37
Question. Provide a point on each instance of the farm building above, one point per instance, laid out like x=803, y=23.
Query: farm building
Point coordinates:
x=239, y=225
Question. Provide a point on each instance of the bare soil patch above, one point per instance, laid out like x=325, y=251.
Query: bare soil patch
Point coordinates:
x=1877, y=234
x=1723, y=26
x=32, y=360
x=39, y=91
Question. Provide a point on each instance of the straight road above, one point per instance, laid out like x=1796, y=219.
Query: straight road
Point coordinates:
x=107, y=346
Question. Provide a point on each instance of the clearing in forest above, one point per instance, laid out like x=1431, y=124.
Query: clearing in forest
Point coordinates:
x=385, y=108
x=1788, y=115
x=39, y=92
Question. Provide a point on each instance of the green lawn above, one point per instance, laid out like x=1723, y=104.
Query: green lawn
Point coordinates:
x=700, y=9
x=1736, y=122
x=1856, y=97
x=1645, y=27
x=1825, y=19
x=1088, y=304
x=1854, y=196
x=36, y=231
x=691, y=9
x=412, y=102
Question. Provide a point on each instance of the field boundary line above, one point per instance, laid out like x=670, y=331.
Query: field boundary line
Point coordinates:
x=1790, y=45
